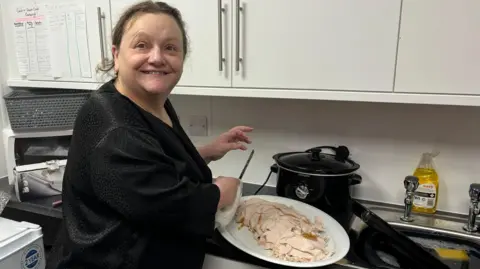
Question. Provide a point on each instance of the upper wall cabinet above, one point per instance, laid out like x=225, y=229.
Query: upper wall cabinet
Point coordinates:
x=328, y=44
x=439, y=47
x=208, y=29
x=315, y=44
x=56, y=40
x=421, y=51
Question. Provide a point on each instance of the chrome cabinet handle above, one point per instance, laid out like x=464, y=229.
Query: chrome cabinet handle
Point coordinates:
x=221, y=60
x=237, y=52
x=100, y=18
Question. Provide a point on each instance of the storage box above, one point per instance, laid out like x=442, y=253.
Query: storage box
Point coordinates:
x=21, y=245
x=44, y=109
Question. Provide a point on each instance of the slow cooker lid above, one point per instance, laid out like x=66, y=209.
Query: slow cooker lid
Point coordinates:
x=314, y=161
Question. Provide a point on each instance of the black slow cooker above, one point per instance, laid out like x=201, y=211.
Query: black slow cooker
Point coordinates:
x=321, y=177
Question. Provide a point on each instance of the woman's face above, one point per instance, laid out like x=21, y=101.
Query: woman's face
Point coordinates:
x=150, y=57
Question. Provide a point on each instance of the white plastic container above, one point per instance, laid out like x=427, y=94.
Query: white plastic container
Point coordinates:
x=21, y=245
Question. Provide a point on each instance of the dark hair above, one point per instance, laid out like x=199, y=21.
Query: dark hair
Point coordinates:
x=131, y=13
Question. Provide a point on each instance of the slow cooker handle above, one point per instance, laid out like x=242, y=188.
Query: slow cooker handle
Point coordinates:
x=319, y=148
x=341, y=152
x=355, y=179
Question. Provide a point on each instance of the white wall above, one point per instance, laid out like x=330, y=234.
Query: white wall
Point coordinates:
x=3, y=90
x=385, y=139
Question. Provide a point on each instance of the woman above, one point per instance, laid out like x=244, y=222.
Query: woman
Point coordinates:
x=136, y=193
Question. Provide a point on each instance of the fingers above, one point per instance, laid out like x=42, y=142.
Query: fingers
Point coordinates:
x=236, y=137
x=237, y=145
x=241, y=128
x=241, y=136
x=238, y=134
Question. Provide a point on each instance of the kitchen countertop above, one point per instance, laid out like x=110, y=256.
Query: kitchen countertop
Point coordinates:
x=42, y=212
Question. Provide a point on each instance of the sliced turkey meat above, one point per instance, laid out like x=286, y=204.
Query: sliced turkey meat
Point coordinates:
x=288, y=234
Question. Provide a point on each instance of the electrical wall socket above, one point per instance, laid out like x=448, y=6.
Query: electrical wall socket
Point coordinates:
x=197, y=125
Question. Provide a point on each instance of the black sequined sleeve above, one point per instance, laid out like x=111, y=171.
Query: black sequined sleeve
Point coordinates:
x=131, y=174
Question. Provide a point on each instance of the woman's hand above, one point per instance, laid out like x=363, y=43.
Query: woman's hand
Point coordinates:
x=228, y=190
x=233, y=139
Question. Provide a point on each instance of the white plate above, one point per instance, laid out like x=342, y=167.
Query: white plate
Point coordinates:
x=243, y=238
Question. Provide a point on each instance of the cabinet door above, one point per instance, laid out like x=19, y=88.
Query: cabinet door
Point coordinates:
x=439, y=47
x=99, y=31
x=316, y=44
x=55, y=40
x=207, y=24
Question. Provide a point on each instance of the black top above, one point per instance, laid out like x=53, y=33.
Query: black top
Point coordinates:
x=136, y=193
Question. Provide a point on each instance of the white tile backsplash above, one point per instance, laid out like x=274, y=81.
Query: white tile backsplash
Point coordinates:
x=385, y=139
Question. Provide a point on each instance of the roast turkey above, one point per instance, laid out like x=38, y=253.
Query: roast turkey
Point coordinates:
x=288, y=234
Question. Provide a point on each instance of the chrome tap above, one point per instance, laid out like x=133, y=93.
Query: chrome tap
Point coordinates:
x=411, y=185
x=474, y=210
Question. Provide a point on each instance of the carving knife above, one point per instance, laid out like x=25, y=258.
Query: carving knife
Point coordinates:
x=246, y=164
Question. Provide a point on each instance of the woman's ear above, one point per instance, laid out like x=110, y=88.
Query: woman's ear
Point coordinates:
x=115, y=58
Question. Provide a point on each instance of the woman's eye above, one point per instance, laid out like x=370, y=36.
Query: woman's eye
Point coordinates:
x=141, y=46
x=171, y=48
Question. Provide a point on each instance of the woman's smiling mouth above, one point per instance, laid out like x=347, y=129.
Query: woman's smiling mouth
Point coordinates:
x=161, y=73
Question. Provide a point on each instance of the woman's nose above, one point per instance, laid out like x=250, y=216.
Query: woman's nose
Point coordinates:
x=156, y=56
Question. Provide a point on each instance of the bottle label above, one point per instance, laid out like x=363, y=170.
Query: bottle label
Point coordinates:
x=425, y=196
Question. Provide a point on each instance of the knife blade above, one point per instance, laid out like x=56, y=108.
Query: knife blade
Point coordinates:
x=246, y=164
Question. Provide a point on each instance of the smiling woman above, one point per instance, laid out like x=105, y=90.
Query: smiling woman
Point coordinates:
x=149, y=48
x=150, y=54
x=136, y=191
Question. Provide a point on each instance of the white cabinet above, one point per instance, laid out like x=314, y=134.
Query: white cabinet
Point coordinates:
x=55, y=40
x=316, y=44
x=439, y=47
x=99, y=29
x=330, y=44
x=208, y=28
x=208, y=25
x=395, y=51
